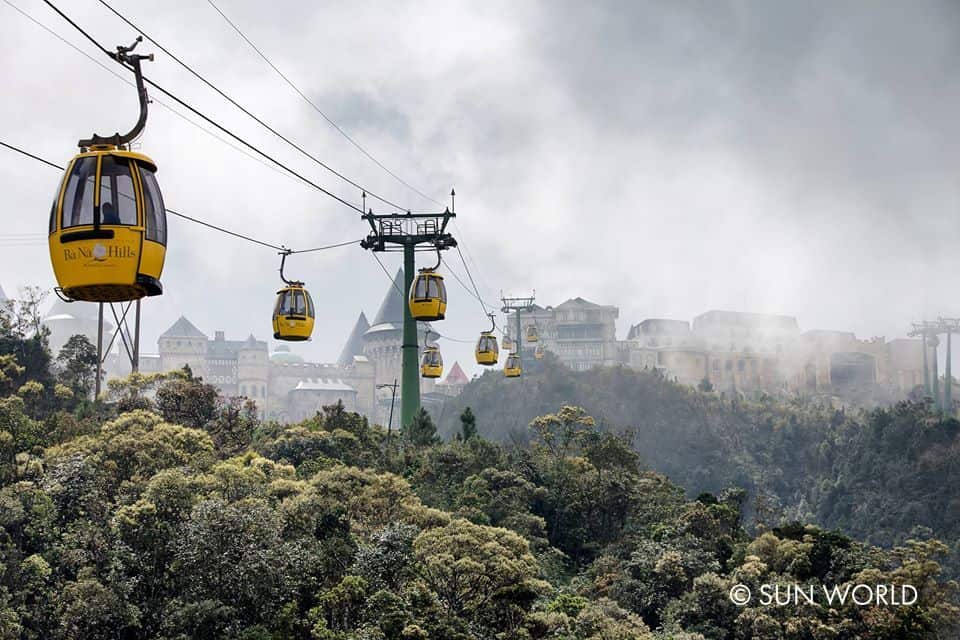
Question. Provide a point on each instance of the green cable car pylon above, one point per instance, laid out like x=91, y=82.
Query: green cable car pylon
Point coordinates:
x=516, y=305
x=409, y=232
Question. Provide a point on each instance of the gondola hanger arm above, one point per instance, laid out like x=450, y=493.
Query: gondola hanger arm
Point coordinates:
x=284, y=252
x=132, y=62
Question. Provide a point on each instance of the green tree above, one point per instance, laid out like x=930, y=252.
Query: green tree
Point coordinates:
x=77, y=363
x=475, y=569
x=10, y=373
x=187, y=400
x=561, y=433
x=23, y=335
x=421, y=432
x=468, y=426
x=233, y=426
x=86, y=608
x=131, y=393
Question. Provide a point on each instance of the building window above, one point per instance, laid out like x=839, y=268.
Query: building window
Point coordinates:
x=243, y=390
x=741, y=365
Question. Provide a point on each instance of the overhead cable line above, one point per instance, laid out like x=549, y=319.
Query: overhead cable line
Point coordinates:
x=272, y=129
x=159, y=102
x=472, y=281
x=246, y=111
x=30, y=155
x=389, y=277
x=329, y=246
x=208, y=119
x=460, y=235
x=191, y=218
x=252, y=147
x=320, y=111
x=483, y=305
x=463, y=285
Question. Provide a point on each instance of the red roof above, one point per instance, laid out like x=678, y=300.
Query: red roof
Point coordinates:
x=456, y=375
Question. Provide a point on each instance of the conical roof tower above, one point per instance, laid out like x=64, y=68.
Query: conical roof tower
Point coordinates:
x=391, y=309
x=390, y=314
x=354, y=344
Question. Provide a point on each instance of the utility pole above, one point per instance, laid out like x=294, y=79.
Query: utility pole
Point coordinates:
x=517, y=305
x=926, y=332
x=393, y=399
x=948, y=326
x=934, y=343
x=409, y=232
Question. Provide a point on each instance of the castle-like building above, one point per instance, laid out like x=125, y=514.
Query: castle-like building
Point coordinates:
x=732, y=351
x=287, y=388
x=726, y=351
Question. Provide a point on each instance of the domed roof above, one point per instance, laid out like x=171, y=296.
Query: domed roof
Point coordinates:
x=283, y=355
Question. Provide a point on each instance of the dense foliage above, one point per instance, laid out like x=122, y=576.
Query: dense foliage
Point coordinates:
x=167, y=512
x=882, y=476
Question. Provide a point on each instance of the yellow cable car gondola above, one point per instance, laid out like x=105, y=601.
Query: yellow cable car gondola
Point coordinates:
x=511, y=367
x=532, y=334
x=428, y=295
x=108, y=226
x=293, y=313
x=507, y=343
x=431, y=363
x=538, y=352
x=487, y=351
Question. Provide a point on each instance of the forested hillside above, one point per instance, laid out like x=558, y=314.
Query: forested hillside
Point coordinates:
x=882, y=476
x=167, y=512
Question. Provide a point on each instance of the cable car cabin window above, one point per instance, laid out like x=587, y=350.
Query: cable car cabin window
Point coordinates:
x=154, y=213
x=310, y=311
x=421, y=289
x=487, y=343
x=53, y=208
x=441, y=289
x=299, y=304
x=118, y=201
x=78, y=200
x=286, y=304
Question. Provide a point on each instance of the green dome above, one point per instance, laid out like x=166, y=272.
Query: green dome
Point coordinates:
x=283, y=356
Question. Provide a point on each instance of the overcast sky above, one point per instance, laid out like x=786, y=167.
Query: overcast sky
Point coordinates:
x=665, y=157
